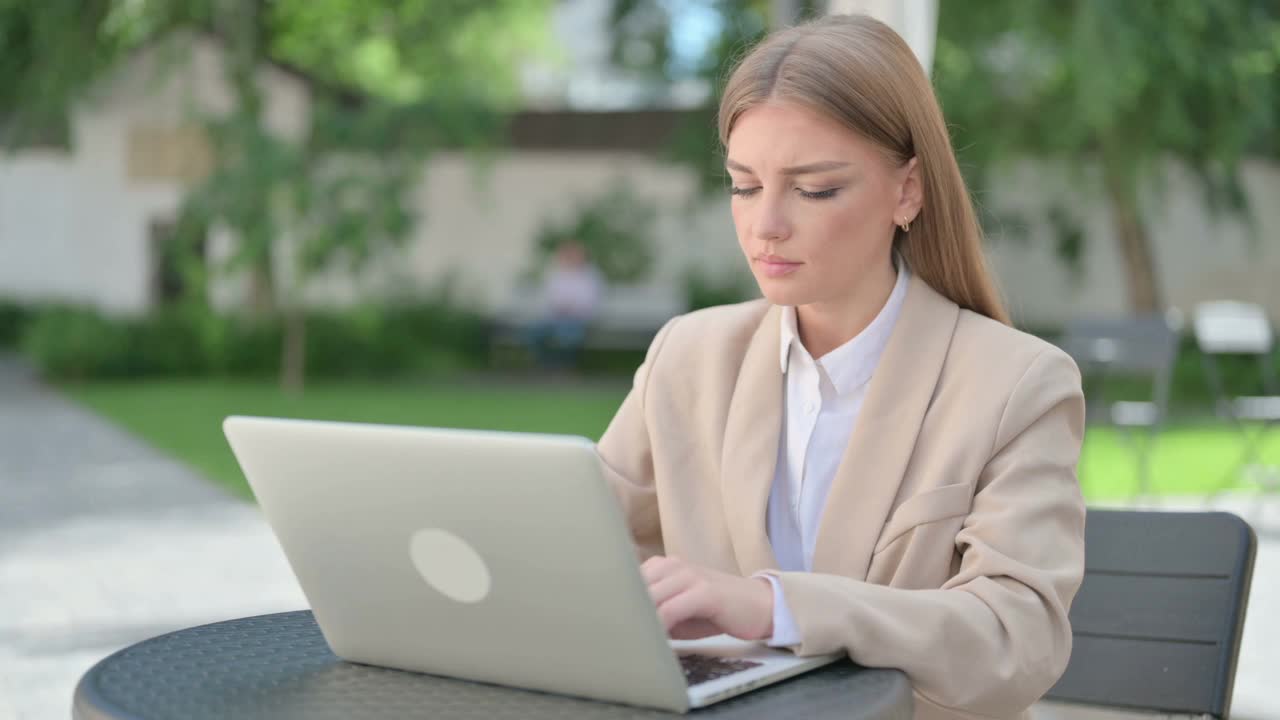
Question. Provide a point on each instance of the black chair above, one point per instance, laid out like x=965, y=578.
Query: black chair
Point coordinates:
x=1157, y=623
x=1143, y=347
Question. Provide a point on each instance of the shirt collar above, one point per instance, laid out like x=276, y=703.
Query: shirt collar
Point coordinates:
x=790, y=336
x=850, y=365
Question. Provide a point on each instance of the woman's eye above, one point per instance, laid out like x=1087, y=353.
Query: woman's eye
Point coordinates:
x=815, y=195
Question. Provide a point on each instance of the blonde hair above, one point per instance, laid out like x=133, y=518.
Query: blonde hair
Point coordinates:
x=859, y=72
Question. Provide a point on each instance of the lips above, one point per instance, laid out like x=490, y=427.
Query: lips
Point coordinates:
x=776, y=266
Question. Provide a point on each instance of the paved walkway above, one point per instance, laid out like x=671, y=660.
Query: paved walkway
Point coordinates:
x=105, y=542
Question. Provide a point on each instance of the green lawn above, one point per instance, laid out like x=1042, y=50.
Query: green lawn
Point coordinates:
x=1185, y=460
x=184, y=418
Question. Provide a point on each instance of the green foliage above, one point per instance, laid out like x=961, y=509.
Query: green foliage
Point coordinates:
x=616, y=230
x=392, y=51
x=1125, y=85
x=408, y=52
x=702, y=289
x=13, y=321
x=429, y=337
x=394, y=81
x=34, y=96
x=75, y=343
x=1132, y=80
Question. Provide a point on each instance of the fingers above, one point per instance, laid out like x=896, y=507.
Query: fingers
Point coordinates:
x=659, y=566
x=668, y=587
x=683, y=595
x=667, y=577
x=688, y=605
x=694, y=629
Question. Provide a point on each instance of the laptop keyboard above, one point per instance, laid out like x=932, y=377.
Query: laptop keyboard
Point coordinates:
x=703, y=668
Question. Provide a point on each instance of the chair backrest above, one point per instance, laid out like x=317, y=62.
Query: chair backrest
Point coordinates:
x=1158, y=620
x=1146, y=345
x=1226, y=326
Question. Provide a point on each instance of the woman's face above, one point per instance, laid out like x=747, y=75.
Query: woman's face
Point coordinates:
x=814, y=204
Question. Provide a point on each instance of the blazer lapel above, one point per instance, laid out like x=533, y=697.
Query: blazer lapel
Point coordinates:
x=750, y=450
x=884, y=435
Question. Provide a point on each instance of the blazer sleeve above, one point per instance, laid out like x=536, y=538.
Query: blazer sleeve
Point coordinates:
x=626, y=458
x=996, y=636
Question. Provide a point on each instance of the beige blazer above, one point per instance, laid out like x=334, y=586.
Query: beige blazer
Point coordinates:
x=952, y=541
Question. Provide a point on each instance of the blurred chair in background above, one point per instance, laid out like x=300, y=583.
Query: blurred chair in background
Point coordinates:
x=1142, y=347
x=1157, y=623
x=1228, y=328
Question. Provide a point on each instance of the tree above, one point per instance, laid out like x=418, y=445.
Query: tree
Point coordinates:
x=337, y=197
x=34, y=94
x=1117, y=87
x=390, y=81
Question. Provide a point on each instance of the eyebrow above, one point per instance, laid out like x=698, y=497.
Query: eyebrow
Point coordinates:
x=794, y=170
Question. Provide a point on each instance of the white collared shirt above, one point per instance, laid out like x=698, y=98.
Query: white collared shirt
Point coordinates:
x=821, y=403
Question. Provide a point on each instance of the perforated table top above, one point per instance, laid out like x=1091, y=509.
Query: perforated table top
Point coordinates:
x=278, y=666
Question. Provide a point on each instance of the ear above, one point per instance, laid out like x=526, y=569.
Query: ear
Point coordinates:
x=910, y=192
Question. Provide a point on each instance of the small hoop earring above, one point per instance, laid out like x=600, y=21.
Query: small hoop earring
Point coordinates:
x=906, y=226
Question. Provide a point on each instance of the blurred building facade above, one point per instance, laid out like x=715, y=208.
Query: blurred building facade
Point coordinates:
x=88, y=224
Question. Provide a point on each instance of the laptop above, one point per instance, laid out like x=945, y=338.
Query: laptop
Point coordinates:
x=489, y=556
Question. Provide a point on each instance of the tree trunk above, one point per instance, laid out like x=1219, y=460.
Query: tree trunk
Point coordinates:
x=293, y=352
x=262, y=296
x=1135, y=245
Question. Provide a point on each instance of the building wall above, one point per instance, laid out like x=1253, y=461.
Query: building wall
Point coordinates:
x=480, y=226
x=39, y=253
x=1198, y=256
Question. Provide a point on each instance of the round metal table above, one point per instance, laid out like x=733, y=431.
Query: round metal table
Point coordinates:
x=278, y=666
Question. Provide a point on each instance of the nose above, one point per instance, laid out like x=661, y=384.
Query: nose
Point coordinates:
x=771, y=221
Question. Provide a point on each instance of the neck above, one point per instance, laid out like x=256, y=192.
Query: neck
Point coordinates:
x=825, y=326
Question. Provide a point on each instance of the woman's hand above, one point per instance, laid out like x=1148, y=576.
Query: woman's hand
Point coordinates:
x=695, y=601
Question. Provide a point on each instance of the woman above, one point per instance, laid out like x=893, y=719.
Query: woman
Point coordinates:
x=869, y=459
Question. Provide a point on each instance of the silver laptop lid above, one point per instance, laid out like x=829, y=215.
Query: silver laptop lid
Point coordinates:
x=500, y=557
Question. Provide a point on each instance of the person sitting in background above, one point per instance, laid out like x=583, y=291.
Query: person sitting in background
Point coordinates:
x=571, y=294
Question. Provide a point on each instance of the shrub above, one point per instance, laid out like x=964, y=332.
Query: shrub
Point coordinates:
x=77, y=343
x=429, y=337
x=13, y=318
x=705, y=290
